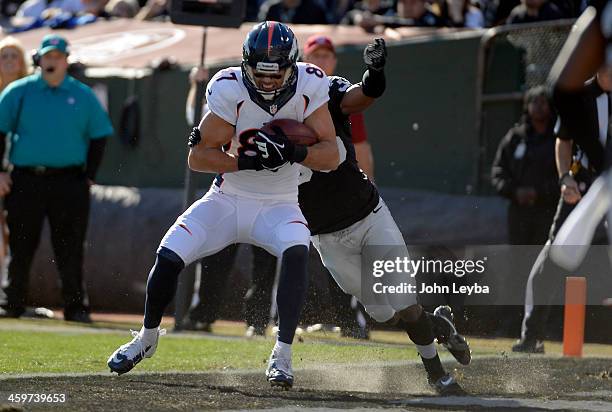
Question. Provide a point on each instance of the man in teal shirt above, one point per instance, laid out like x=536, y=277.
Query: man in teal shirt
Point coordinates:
x=57, y=129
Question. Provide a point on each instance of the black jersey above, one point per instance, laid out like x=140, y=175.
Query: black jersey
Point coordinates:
x=335, y=200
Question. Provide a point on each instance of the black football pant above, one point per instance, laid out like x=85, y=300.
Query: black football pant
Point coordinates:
x=529, y=225
x=215, y=270
x=214, y=280
x=62, y=198
x=258, y=299
x=546, y=278
x=526, y=226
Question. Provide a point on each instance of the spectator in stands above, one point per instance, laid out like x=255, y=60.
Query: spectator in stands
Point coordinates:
x=8, y=8
x=12, y=61
x=419, y=11
x=364, y=12
x=524, y=171
x=337, y=9
x=42, y=8
x=410, y=13
x=295, y=11
x=530, y=11
x=57, y=129
x=252, y=10
x=126, y=9
x=462, y=13
x=154, y=9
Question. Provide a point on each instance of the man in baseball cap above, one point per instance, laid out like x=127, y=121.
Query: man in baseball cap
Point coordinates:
x=53, y=42
x=58, y=130
x=319, y=49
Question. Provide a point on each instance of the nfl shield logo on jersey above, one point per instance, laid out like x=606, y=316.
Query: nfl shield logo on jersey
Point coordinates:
x=273, y=109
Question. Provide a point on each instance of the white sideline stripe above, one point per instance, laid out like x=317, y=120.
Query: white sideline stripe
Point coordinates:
x=509, y=403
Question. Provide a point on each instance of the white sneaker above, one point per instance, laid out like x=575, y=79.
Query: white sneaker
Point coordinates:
x=279, y=372
x=128, y=355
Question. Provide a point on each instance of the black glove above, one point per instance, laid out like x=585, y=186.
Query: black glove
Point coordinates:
x=247, y=151
x=375, y=55
x=271, y=150
x=294, y=153
x=194, y=137
x=248, y=162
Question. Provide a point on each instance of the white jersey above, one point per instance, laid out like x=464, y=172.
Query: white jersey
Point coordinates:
x=229, y=99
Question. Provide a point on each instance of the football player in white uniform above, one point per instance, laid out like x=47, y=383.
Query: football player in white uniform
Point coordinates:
x=254, y=196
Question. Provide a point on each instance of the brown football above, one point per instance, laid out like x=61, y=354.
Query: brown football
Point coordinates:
x=297, y=132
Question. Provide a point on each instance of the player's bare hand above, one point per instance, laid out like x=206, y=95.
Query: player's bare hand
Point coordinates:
x=198, y=74
x=569, y=191
x=526, y=196
x=5, y=184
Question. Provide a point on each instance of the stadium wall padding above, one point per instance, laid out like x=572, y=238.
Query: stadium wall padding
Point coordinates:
x=127, y=224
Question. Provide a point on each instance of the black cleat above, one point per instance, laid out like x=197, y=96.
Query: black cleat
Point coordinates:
x=447, y=335
x=10, y=312
x=447, y=386
x=80, y=316
x=196, y=325
x=528, y=346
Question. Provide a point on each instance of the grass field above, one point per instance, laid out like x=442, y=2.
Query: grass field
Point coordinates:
x=60, y=357
x=78, y=352
x=57, y=346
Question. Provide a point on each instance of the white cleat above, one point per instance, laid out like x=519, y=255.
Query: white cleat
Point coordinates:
x=127, y=356
x=279, y=372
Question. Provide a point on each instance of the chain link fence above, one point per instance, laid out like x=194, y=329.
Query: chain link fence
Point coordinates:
x=541, y=46
x=512, y=60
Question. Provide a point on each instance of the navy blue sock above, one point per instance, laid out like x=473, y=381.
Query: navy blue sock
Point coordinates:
x=161, y=286
x=292, y=286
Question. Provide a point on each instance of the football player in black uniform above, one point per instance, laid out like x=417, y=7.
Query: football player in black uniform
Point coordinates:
x=345, y=214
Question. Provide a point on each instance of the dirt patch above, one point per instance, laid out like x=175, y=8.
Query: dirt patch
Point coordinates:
x=525, y=383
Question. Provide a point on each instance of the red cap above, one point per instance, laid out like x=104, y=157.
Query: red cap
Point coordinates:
x=316, y=41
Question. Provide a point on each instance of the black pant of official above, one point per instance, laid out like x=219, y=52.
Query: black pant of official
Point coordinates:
x=545, y=282
x=214, y=280
x=258, y=299
x=529, y=225
x=61, y=196
x=212, y=285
